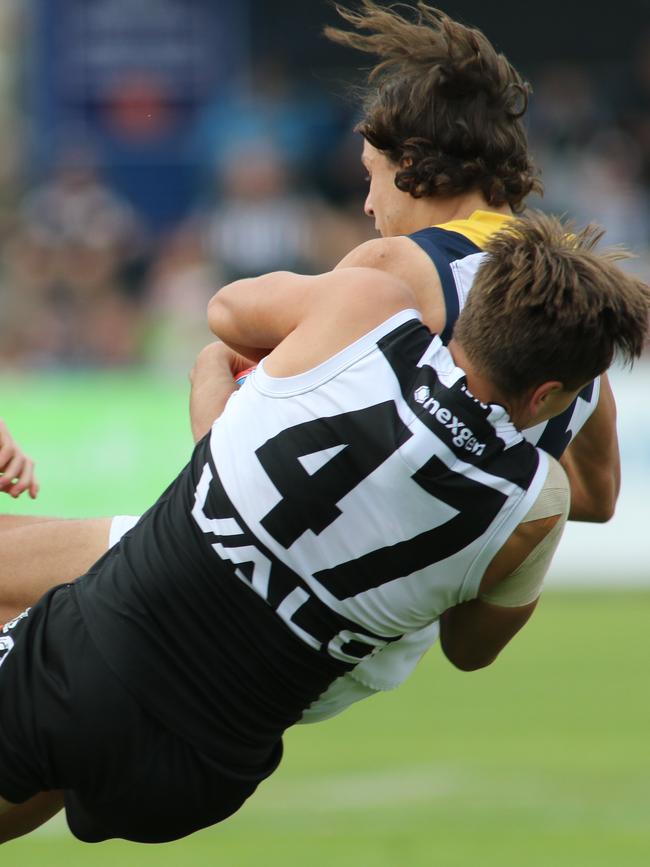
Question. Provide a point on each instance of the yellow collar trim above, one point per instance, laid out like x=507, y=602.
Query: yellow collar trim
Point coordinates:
x=479, y=227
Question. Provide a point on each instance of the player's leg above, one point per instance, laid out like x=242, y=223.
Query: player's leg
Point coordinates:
x=10, y=522
x=39, y=553
x=19, y=819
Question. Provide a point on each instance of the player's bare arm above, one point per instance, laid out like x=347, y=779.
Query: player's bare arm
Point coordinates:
x=253, y=315
x=474, y=633
x=592, y=462
x=312, y=317
x=267, y=306
x=39, y=553
x=404, y=259
x=18, y=820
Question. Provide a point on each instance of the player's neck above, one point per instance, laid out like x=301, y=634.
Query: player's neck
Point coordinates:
x=446, y=210
x=481, y=387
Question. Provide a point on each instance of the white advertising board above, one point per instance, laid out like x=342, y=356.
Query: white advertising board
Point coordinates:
x=617, y=553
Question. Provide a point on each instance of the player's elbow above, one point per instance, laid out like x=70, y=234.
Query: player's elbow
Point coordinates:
x=606, y=506
x=464, y=663
x=220, y=314
x=465, y=657
x=603, y=512
x=596, y=506
x=215, y=308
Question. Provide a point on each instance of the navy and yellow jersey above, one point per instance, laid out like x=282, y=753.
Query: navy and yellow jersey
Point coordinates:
x=457, y=250
x=448, y=246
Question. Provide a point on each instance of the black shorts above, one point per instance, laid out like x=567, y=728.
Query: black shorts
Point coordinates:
x=66, y=722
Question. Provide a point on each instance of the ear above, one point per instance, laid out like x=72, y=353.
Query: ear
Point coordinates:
x=543, y=395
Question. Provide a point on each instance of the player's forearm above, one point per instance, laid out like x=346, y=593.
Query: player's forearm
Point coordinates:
x=594, y=490
x=254, y=315
x=592, y=463
x=474, y=633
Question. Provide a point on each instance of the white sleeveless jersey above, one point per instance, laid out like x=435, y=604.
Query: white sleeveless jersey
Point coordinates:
x=329, y=391
x=380, y=486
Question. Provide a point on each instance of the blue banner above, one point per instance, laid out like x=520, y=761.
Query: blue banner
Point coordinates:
x=127, y=80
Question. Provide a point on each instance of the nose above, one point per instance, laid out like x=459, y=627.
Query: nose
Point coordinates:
x=368, y=210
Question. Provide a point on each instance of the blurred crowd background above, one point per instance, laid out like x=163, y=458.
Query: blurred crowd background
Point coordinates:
x=151, y=150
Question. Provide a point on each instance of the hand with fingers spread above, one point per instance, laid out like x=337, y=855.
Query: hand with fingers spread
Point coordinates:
x=16, y=469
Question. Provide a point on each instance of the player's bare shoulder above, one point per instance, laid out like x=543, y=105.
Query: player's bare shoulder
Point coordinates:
x=402, y=258
x=369, y=294
x=396, y=255
x=342, y=306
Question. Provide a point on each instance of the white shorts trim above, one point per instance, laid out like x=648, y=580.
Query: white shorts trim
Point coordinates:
x=120, y=525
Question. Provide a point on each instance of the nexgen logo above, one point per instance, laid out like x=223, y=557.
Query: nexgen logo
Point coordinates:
x=463, y=437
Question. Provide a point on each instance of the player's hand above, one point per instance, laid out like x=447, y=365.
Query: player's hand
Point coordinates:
x=214, y=380
x=237, y=362
x=16, y=469
x=216, y=358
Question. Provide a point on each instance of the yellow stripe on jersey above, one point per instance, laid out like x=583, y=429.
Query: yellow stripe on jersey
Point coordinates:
x=479, y=227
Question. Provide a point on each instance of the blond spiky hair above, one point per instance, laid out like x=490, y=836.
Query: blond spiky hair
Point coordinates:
x=546, y=304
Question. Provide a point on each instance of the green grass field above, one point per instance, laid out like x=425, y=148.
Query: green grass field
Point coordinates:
x=540, y=761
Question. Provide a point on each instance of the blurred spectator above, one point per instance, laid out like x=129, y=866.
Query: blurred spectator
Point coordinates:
x=564, y=111
x=75, y=260
x=297, y=119
x=261, y=221
x=608, y=189
x=564, y=115
x=594, y=153
x=285, y=190
x=73, y=207
x=634, y=102
x=181, y=284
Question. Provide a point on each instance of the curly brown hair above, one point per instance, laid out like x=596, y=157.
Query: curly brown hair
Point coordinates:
x=442, y=104
x=546, y=305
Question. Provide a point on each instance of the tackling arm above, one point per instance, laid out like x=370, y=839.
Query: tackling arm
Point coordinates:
x=592, y=462
x=473, y=633
x=300, y=321
x=254, y=315
x=403, y=258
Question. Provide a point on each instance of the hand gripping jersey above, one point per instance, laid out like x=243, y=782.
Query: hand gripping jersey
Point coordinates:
x=456, y=251
x=325, y=524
